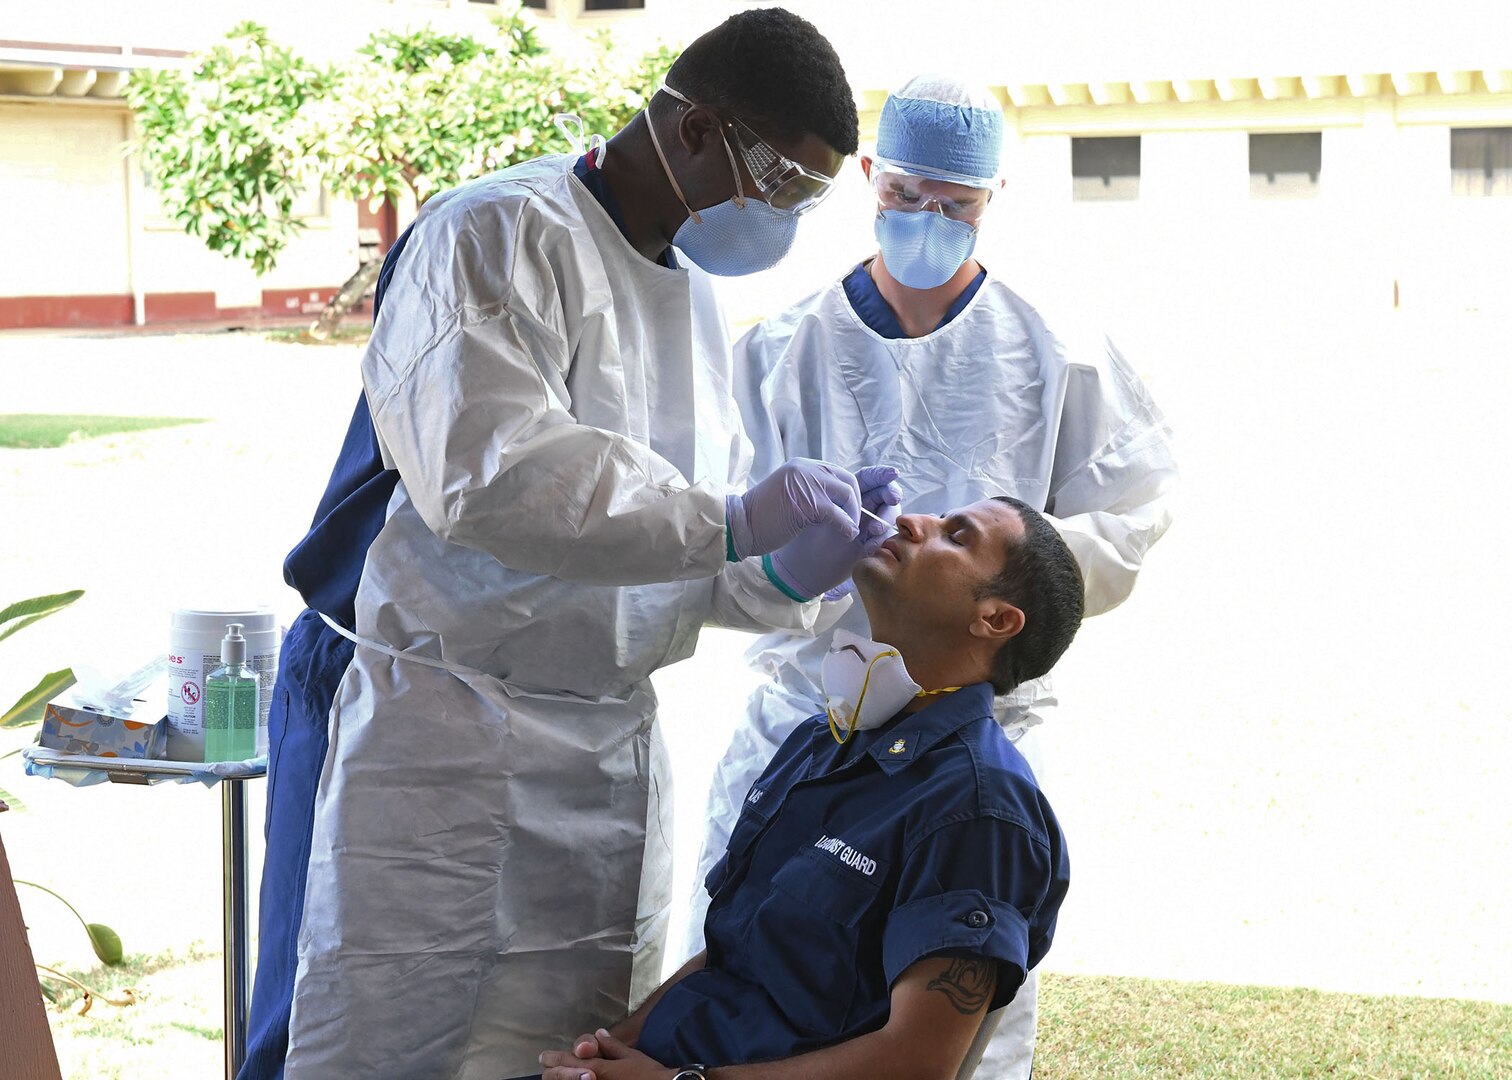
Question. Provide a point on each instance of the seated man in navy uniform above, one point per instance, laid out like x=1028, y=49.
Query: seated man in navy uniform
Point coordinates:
x=896, y=871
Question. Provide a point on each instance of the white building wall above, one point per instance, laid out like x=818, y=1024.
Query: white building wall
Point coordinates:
x=79, y=221
x=170, y=261
x=63, y=186
x=1383, y=229
x=92, y=231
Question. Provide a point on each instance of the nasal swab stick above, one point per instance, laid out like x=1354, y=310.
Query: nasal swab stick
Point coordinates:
x=876, y=517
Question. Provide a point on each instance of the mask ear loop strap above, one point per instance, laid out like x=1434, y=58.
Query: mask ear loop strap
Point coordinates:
x=656, y=143
x=740, y=197
x=734, y=168
x=855, y=715
x=571, y=126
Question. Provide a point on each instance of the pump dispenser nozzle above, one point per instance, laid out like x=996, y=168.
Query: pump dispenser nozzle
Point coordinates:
x=233, y=645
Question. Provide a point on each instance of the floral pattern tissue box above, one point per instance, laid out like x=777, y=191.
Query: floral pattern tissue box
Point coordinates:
x=74, y=729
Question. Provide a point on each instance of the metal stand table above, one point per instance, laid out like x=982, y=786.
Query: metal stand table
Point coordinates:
x=237, y=982
x=234, y=925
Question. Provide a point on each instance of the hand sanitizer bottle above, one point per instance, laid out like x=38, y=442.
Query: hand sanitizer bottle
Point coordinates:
x=231, y=702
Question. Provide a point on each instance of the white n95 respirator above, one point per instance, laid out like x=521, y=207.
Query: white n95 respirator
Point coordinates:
x=865, y=684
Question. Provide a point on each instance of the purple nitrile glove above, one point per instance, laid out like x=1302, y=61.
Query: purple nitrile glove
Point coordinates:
x=817, y=562
x=881, y=494
x=799, y=494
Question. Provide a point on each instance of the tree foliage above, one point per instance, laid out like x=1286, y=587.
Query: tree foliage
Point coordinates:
x=232, y=141
x=221, y=146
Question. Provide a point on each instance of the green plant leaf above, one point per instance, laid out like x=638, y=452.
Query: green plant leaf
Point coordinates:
x=28, y=710
x=106, y=942
x=25, y=612
x=40, y=604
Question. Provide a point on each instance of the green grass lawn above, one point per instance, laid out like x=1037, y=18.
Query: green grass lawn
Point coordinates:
x=39, y=431
x=354, y=330
x=1113, y=1027
x=173, y=1032
x=1088, y=1027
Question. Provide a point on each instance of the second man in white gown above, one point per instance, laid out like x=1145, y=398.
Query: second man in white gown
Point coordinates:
x=922, y=359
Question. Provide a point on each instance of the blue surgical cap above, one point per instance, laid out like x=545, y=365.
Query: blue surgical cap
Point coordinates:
x=935, y=125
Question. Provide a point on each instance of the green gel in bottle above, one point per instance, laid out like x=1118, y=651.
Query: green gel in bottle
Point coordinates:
x=231, y=702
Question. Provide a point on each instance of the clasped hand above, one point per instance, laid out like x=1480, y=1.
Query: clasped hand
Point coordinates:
x=601, y=1056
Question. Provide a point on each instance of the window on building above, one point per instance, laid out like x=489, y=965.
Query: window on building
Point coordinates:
x=613, y=5
x=1105, y=167
x=539, y=5
x=1285, y=165
x=1480, y=161
x=310, y=204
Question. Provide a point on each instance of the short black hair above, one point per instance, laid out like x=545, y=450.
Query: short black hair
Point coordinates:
x=776, y=72
x=1040, y=578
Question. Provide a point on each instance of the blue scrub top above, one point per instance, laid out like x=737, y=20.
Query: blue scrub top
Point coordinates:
x=927, y=836
x=867, y=302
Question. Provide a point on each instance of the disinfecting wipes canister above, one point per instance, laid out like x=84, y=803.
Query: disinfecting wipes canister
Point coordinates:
x=194, y=644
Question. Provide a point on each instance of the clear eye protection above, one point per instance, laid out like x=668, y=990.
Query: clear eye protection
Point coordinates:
x=783, y=183
x=898, y=189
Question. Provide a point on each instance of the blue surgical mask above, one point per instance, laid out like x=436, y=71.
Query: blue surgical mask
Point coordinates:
x=736, y=237
x=923, y=249
x=732, y=239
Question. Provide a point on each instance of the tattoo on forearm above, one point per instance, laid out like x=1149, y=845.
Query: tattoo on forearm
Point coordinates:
x=967, y=984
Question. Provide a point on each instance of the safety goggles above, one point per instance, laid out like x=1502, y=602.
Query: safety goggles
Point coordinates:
x=783, y=183
x=909, y=192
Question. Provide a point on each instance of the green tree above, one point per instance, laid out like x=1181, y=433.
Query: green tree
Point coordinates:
x=416, y=112
x=220, y=145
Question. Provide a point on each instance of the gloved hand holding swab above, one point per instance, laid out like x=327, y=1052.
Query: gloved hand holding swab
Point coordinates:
x=891, y=528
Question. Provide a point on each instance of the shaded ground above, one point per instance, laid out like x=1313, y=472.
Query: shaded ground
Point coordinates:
x=1287, y=760
x=173, y=1031
x=1091, y=1026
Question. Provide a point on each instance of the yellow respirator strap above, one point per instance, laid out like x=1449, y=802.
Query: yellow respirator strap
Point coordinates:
x=850, y=728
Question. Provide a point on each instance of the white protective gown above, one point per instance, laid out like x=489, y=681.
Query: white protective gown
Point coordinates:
x=995, y=402
x=480, y=884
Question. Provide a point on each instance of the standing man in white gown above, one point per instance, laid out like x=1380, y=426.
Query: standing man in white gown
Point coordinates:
x=922, y=359
x=541, y=498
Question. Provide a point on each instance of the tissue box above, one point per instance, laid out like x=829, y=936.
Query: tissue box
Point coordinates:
x=77, y=729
